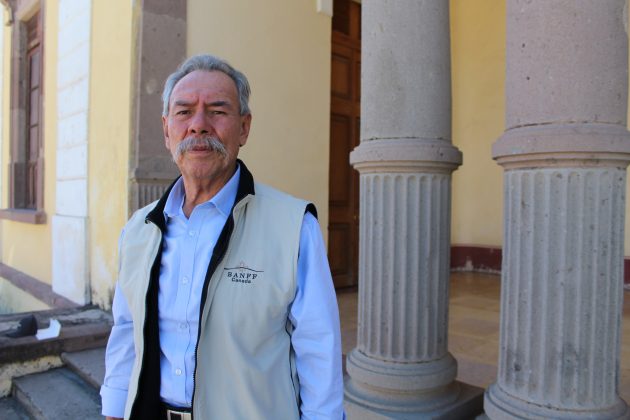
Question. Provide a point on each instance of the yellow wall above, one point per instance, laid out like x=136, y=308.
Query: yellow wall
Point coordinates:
x=109, y=133
x=28, y=247
x=283, y=46
x=478, y=74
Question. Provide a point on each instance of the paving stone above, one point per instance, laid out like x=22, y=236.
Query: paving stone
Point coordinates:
x=57, y=394
x=88, y=364
x=11, y=410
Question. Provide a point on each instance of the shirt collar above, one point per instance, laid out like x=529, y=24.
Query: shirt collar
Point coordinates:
x=222, y=201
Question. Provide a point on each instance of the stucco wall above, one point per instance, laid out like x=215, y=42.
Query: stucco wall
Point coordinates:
x=27, y=247
x=478, y=74
x=283, y=46
x=109, y=131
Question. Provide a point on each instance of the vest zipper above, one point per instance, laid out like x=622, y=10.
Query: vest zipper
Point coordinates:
x=217, y=256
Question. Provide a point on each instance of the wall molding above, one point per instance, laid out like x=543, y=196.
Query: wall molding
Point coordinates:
x=476, y=258
x=35, y=288
x=325, y=7
x=487, y=259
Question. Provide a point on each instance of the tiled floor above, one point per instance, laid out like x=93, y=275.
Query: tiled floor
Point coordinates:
x=474, y=328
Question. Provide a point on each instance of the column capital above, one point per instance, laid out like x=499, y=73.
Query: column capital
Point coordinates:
x=563, y=145
x=406, y=155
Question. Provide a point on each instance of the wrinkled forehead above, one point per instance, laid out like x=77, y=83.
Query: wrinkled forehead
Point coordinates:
x=215, y=84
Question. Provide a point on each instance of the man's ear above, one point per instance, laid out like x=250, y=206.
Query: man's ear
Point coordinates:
x=165, y=130
x=246, y=122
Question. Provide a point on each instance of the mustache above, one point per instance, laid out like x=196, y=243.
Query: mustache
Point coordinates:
x=208, y=142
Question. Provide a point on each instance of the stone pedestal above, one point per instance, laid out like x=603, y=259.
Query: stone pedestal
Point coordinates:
x=565, y=152
x=401, y=367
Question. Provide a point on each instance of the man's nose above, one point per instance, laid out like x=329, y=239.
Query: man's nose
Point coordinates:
x=199, y=124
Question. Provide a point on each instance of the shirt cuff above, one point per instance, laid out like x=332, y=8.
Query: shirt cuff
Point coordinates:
x=113, y=401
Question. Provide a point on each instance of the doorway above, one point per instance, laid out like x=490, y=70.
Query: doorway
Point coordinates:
x=343, y=199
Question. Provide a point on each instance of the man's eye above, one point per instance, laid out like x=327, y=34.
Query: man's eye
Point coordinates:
x=183, y=112
x=217, y=112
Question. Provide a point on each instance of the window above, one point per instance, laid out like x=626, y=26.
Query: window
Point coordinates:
x=26, y=177
x=32, y=138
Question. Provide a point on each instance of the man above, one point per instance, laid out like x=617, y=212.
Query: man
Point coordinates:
x=224, y=306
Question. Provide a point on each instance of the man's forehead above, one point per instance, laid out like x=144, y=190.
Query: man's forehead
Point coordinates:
x=205, y=82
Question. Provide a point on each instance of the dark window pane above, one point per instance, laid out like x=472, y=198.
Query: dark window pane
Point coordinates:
x=31, y=182
x=33, y=144
x=33, y=108
x=35, y=68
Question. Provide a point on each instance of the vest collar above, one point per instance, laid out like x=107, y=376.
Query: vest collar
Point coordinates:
x=245, y=188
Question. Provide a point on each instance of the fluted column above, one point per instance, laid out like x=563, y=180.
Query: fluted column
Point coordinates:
x=565, y=152
x=401, y=367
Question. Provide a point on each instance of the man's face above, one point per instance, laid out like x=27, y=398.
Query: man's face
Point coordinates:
x=205, y=104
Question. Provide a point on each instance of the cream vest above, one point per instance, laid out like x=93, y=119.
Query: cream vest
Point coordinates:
x=245, y=364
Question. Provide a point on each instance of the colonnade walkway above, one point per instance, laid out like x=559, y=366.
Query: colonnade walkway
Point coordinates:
x=473, y=335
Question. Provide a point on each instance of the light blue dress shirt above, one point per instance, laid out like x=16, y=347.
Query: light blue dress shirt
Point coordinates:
x=315, y=339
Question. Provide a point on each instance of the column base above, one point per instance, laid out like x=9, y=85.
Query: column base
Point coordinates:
x=411, y=378
x=453, y=402
x=498, y=404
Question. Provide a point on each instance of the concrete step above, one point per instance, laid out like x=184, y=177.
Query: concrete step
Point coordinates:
x=88, y=364
x=57, y=394
x=81, y=329
x=11, y=410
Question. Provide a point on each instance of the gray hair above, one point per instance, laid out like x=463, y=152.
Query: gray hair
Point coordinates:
x=208, y=62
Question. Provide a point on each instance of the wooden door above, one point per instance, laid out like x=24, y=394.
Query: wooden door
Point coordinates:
x=343, y=202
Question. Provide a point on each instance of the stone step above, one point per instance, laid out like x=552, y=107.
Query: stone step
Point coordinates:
x=57, y=394
x=11, y=410
x=88, y=364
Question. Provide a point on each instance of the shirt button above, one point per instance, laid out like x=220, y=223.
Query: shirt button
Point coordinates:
x=182, y=326
x=185, y=280
x=192, y=233
x=178, y=372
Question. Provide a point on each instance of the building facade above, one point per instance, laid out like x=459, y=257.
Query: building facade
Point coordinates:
x=430, y=134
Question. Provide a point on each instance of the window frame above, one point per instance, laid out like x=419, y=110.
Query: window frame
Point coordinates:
x=23, y=11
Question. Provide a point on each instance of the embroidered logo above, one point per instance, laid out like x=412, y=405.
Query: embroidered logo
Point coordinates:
x=242, y=273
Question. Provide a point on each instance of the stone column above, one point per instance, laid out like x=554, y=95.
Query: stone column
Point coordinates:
x=401, y=367
x=565, y=152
